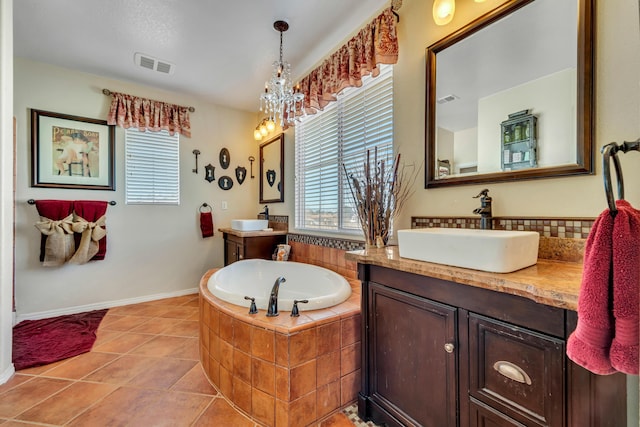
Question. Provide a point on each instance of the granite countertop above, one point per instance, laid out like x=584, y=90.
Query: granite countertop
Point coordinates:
x=553, y=283
x=252, y=233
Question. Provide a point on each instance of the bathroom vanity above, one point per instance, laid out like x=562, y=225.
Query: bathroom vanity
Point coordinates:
x=447, y=346
x=240, y=245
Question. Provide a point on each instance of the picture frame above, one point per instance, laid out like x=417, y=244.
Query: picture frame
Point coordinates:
x=71, y=152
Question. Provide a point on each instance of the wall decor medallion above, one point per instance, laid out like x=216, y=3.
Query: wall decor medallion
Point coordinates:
x=241, y=174
x=271, y=177
x=225, y=182
x=209, y=172
x=225, y=158
x=71, y=152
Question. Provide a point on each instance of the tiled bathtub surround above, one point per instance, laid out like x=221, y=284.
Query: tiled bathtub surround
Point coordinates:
x=561, y=239
x=282, y=371
x=325, y=252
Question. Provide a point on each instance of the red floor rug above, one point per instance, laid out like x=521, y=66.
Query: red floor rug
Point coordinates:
x=44, y=341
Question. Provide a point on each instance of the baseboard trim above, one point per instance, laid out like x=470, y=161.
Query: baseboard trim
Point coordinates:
x=101, y=305
x=7, y=374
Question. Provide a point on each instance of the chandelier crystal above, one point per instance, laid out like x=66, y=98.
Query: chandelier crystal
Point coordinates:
x=281, y=101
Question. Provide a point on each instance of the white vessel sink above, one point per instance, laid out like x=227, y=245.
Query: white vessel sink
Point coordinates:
x=496, y=251
x=249, y=224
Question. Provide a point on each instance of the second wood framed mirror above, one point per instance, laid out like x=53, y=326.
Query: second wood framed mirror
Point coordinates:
x=272, y=170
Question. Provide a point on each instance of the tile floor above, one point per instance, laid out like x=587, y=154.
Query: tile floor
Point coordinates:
x=143, y=370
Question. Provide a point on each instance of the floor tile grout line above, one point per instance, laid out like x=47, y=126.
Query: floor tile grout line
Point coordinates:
x=42, y=400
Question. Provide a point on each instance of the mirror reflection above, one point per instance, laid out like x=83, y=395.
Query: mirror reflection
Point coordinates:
x=272, y=170
x=506, y=96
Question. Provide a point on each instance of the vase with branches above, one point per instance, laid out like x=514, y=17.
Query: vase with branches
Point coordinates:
x=379, y=192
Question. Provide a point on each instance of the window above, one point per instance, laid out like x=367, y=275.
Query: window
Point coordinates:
x=152, y=167
x=360, y=120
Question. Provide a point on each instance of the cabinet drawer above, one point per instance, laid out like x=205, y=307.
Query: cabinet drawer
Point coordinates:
x=234, y=238
x=480, y=415
x=517, y=371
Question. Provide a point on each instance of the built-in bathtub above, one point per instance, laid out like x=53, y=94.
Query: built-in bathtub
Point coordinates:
x=280, y=371
x=322, y=288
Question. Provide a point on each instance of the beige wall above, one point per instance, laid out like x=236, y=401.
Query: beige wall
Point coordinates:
x=152, y=250
x=617, y=117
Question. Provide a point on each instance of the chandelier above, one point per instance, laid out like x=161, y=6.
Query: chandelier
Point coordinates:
x=280, y=98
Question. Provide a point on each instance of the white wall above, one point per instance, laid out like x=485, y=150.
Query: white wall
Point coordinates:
x=152, y=250
x=552, y=99
x=6, y=188
x=465, y=149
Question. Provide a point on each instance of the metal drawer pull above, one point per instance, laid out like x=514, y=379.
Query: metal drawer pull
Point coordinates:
x=449, y=347
x=511, y=371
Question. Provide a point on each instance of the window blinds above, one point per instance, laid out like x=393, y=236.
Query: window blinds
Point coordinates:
x=152, y=167
x=360, y=120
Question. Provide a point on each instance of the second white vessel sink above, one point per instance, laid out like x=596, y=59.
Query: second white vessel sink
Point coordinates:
x=495, y=251
x=249, y=224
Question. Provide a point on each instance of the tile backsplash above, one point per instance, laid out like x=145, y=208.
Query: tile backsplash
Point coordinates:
x=572, y=228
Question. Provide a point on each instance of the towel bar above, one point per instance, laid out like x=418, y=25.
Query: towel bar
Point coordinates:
x=33, y=202
x=609, y=152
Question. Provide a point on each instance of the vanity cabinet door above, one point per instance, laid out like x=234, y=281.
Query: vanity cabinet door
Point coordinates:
x=238, y=248
x=412, y=354
x=233, y=249
x=517, y=371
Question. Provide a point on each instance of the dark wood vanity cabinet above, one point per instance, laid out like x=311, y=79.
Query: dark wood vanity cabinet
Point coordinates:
x=438, y=354
x=237, y=248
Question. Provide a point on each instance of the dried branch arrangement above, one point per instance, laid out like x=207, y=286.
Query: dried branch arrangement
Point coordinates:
x=379, y=193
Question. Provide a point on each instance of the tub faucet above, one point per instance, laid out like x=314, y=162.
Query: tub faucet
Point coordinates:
x=265, y=212
x=486, y=219
x=272, y=308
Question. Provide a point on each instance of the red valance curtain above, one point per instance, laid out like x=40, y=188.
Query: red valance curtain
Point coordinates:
x=145, y=114
x=376, y=43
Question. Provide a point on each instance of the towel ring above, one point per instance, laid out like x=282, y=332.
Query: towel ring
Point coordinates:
x=205, y=205
x=609, y=152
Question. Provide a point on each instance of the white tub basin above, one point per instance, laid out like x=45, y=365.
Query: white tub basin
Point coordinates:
x=496, y=251
x=255, y=277
x=249, y=224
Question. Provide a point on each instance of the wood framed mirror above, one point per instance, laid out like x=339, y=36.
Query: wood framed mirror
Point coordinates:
x=272, y=170
x=526, y=57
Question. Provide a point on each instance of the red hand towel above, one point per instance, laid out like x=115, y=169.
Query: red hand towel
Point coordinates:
x=589, y=344
x=206, y=224
x=55, y=210
x=626, y=287
x=92, y=210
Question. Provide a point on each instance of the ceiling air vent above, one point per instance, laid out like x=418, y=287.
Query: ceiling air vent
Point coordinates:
x=164, y=67
x=447, y=98
x=151, y=63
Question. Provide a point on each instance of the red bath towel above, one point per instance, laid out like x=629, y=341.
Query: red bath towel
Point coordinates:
x=606, y=338
x=92, y=211
x=55, y=210
x=206, y=224
x=626, y=286
x=589, y=344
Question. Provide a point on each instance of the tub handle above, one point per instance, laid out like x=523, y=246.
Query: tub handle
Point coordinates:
x=294, y=310
x=252, y=308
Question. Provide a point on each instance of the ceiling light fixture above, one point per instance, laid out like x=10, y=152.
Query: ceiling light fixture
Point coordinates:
x=443, y=11
x=280, y=99
x=264, y=128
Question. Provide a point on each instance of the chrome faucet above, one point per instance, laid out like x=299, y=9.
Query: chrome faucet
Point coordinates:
x=272, y=308
x=486, y=219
